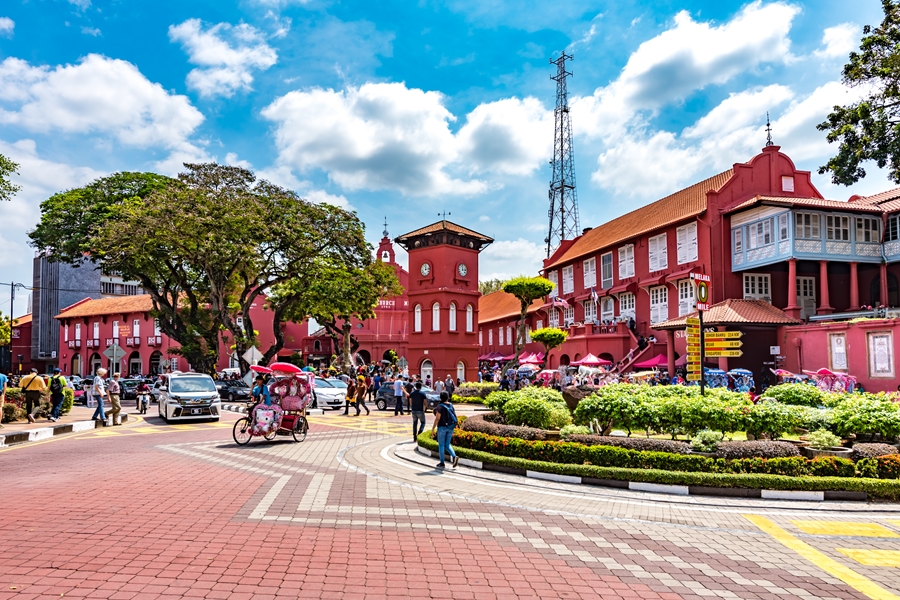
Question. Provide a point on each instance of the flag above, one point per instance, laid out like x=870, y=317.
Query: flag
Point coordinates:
x=594, y=296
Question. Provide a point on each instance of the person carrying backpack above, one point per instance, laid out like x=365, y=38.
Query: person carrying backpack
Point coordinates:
x=57, y=385
x=445, y=422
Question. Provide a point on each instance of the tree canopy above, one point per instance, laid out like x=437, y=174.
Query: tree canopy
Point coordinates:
x=5, y=329
x=549, y=338
x=869, y=129
x=526, y=290
x=490, y=286
x=7, y=188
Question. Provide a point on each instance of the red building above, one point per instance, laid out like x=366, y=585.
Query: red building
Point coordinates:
x=21, y=345
x=763, y=232
x=443, y=295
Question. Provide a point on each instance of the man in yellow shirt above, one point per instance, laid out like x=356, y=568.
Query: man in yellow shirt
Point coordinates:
x=33, y=387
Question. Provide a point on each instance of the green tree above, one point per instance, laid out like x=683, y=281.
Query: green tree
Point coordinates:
x=7, y=188
x=869, y=129
x=490, y=286
x=6, y=329
x=549, y=338
x=526, y=290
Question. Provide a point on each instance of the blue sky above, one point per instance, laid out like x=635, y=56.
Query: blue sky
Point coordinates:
x=407, y=109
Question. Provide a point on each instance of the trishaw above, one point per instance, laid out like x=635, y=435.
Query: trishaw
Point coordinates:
x=742, y=379
x=715, y=378
x=291, y=392
x=829, y=381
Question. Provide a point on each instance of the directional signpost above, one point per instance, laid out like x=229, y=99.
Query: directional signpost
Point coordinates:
x=115, y=354
x=715, y=344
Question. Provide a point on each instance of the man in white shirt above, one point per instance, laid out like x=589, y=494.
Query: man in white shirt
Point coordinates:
x=399, y=393
x=98, y=390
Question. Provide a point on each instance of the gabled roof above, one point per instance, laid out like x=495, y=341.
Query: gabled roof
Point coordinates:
x=684, y=204
x=23, y=320
x=119, y=305
x=500, y=305
x=444, y=226
x=734, y=311
x=806, y=203
x=888, y=201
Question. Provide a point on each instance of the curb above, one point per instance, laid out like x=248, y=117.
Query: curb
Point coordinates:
x=659, y=488
x=240, y=408
x=43, y=433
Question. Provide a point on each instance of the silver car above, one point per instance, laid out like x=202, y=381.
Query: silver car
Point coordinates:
x=189, y=397
x=330, y=393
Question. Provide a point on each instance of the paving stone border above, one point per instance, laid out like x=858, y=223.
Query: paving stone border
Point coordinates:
x=43, y=433
x=659, y=488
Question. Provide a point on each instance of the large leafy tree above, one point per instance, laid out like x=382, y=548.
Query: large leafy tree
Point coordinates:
x=549, y=338
x=869, y=129
x=526, y=290
x=490, y=286
x=7, y=188
x=6, y=329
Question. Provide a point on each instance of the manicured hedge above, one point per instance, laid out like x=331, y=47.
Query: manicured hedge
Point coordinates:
x=861, y=451
x=632, y=443
x=880, y=489
x=480, y=424
x=473, y=389
x=756, y=449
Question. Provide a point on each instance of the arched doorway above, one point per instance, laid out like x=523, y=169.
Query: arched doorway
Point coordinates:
x=461, y=371
x=564, y=360
x=76, y=365
x=551, y=362
x=577, y=357
x=156, y=362
x=607, y=356
x=135, y=366
x=95, y=363
x=893, y=291
x=363, y=357
x=426, y=371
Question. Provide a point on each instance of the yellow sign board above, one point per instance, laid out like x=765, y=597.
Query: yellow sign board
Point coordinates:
x=723, y=344
x=693, y=377
x=723, y=335
x=724, y=353
x=692, y=321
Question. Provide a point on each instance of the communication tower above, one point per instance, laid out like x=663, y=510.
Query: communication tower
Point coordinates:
x=563, y=211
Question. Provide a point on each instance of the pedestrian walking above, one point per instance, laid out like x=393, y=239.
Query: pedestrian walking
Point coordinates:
x=399, y=392
x=417, y=402
x=3, y=382
x=449, y=386
x=444, y=423
x=33, y=386
x=57, y=385
x=98, y=391
x=361, y=391
x=438, y=386
x=350, y=398
x=115, y=397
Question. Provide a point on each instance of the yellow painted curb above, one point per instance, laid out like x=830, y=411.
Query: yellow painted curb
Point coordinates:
x=873, y=558
x=847, y=528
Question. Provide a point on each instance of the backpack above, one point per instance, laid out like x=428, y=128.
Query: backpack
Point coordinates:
x=451, y=415
x=56, y=386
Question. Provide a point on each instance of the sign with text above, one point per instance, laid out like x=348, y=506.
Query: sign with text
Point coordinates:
x=701, y=290
x=724, y=353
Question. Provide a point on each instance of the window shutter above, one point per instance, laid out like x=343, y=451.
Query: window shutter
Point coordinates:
x=653, y=249
x=662, y=258
x=623, y=256
x=681, y=244
x=691, y=249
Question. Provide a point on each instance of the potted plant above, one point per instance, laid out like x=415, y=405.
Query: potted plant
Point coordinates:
x=705, y=443
x=824, y=443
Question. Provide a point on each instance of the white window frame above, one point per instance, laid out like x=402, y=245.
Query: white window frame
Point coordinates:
x=436, y=317
x=417, y=318
x=490, y=337
x=500, y=336
x=590, y=272
x=157, y=331
x=568, y=279
x=78, y=332
x=590, y=311
x=568, y=315
x=686, y=297
x=626, y=261
x=136, y=328
x=527, y=333
x=470, y=318
x=480, y=338
x=656, y=250
x=837, y=228
x=606, y=270
x=739, y=240
x=806, y=296
x=95, y=330
x=787, y=183
x=758, y=286
x=553, y=316
x=626, y=305
x=783, y=227
x=867, y=230
x=807, y=226
x=659, y=304
x=115, y=329
x=553, y=276
x=607, y=309
x=760, y=234
x=539, y=324
x=892, y=233
x=452, y=318
x=509, y=335
x=686, y=241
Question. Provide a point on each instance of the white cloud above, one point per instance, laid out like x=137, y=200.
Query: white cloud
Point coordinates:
x=318, y=196
x=385, y=136
x=93, y=31
x=99, y=96
x=82, y=4
x=6, y=26
x=484, y=218
x=839, y=41
x=688, y=57
x=225, y=55
x=508, y=258
x=231, y=159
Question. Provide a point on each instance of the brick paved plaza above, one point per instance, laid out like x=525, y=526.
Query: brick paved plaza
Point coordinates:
x=149, y=510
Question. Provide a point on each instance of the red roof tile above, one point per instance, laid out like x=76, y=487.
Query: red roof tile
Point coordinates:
x=735, y=311
x=805, y=202
x=23, y=320
x=500, y=305
x=684, y=204
x=108, y=306
x=888, y=201
x=444, y=226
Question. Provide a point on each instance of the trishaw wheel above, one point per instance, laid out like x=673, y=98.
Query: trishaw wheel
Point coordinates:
x=270, y=436
x=300, y=429
x=241, y=431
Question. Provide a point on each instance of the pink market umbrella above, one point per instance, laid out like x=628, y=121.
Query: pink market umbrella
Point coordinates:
x=283, y=367
x=260, y=369
x=531, y=359
x=659, y=360
x=591, y=361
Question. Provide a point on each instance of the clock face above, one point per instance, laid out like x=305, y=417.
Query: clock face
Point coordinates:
x=425, y=270
x=463, y=270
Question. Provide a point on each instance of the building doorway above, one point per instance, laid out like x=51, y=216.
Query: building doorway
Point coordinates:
x=156, y=363
x=806, y=296
x=427, y=370
x=96, y=362
x=135, y=366
x=363, y=357
x=893, y=291
x=461, y=371
x=76, y=365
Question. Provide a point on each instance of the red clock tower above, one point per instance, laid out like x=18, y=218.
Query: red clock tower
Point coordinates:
x=443, y=300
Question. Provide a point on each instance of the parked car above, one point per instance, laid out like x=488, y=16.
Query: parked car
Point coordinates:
x=233, y=390
x=129, y=388
x=384, y=397
x=329, y=393
x=188, y=397
x=155, y=390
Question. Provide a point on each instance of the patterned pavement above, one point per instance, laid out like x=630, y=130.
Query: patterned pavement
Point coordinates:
x=150, y=510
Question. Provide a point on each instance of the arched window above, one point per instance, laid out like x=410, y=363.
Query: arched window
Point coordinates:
x=461, y=371
x=470, y=318
x=452, y=324
x=427, y=370
x=386, y=256
x=435, y=317
x=417, y=318
x=318, y=346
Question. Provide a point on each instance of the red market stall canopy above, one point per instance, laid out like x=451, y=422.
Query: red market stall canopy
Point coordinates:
x=659, y=360
x=260, y=369
x=590, y=361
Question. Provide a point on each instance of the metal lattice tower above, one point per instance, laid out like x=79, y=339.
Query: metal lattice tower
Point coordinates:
x=563, y=211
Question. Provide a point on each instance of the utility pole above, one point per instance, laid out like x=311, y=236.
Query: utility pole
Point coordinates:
x=563, y=213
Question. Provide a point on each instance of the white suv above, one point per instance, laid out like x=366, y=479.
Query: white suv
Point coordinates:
x=188, y=397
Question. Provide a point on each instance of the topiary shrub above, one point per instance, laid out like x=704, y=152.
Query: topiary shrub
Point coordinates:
x=68, y=400
x=772, y=419
x=473, y=389
x=861, y=451
x=823, y=439
x=832, y=466
x=705, y=441
x=757, y=449
x=569, y=430
x=496, y=401
x=11, y=413
x=800, y=394
x=634, y=443
x=889, y=466
x=482, y=424
x=535, y=412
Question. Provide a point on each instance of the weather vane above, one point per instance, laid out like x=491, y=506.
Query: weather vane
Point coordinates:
x=385, y=232
x=444, y=215
x=769, y=141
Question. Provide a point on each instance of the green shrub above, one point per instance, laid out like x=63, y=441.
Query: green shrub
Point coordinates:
x=559, y=416
x=813, y=419
x=772, y=419
x=867, y=467
x=756, y=449
x=568, y=430
x=11, y=413
x=532, y=412
x=497, y=400
x=68, y=400
x=632, y=443
x=483, y=424
x=832, y=466
x=800, y=394
x=889, y=466
x=867, y=413
x=705, y=441
x=823, y=439
x=15, y=396
x=473, y=389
